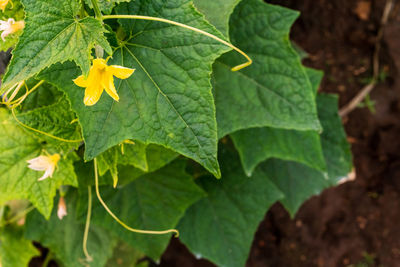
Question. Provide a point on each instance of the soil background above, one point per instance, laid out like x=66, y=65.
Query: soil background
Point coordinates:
x=357, y=223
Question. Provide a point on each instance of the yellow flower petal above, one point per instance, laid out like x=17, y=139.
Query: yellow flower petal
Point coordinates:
x=108, y=84
x=3, y=4
x=92, y=95
x=81, y=81
x=120, y=72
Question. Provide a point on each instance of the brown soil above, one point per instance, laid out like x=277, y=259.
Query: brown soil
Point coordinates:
x=356, y=223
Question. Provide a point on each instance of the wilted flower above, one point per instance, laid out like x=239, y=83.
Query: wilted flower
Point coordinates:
x=100, y=78
x=10, y=26
x=62, y=208
x=44, y=163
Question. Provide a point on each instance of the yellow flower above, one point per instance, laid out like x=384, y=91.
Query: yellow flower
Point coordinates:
x=3, y=4
x=44, y=163
x=100, y=78
x=10, y=26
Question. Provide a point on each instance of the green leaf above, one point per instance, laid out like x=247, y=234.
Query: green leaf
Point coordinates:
x=45, y=95
x=299, y=182
x=221, y=227
x=336, y=149
x=259, y=144
x=17, y=181
x=156, y=158
x=17, y=13
x=105, y=6
x=15, y=250
x=127, y=153
x=124, y=255
x=108, y=161
x=256, y=145
x=57, y=120
x=168, y=100
x=56, y=37
x=217, y=12
x=315, y=77
x=274, y=91
x=64, y=237
x=154, y=201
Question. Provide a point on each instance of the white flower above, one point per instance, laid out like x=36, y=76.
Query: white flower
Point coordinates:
x=10, y=26
x=62, y=208
x=44, y=163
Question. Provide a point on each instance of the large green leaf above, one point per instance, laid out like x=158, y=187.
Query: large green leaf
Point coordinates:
x=274, y=91
x=17, y=181
x=299, y=182
x=155, y=201
x=256, y=145
x=221, y=226
x=217, y=12
x=167, y=100
x=56, y=37
x=64, y=237
x=15, y=250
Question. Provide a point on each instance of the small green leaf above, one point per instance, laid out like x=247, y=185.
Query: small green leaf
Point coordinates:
x=56, y=37
x=154, y=201
x=17, y=181
x=217, y=12
x=272, y=92
x=64, y=237
x=221, y=226
x=15, y=250
x=108, y=161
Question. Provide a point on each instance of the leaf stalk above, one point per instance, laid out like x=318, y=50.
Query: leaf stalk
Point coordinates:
x=236, y=68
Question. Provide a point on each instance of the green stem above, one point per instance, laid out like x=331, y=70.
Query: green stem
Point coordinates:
x=87, y=226
x=236, y=68
x=97, y=11
x=82, y=11
x=2, y=210
x=96, y=179
x=47, y=260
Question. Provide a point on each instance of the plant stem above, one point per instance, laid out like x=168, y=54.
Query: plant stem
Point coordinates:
x=236, y=68
x=47, y=260
x=96, y=177
x=96, y=9
x=87, y=226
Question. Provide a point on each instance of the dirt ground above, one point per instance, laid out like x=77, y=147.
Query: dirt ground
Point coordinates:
x=357, y=223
